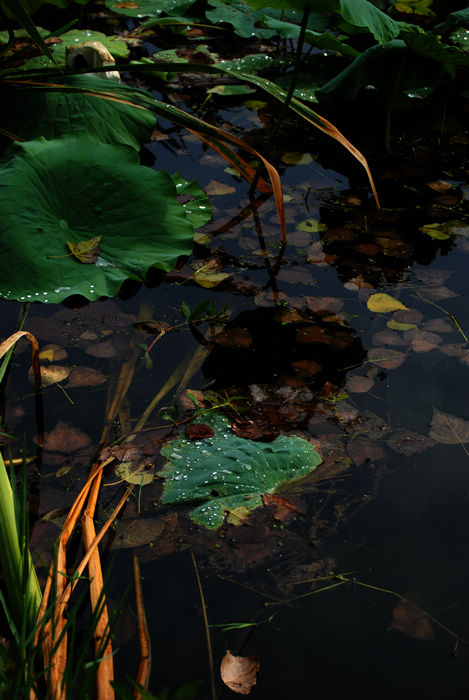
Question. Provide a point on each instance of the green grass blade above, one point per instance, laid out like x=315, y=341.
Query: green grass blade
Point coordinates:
x=22, y=587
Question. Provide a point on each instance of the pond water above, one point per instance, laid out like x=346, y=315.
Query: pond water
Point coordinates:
x=385, y=403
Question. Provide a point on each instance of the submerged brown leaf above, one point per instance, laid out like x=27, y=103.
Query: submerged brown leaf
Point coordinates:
x=386, y=357
x=359, y=384
x=239, y=672
x=406, y=442
x=448, y=429
x=64, y=438
x=135, y=532
x=85, y=376
x=410, y=620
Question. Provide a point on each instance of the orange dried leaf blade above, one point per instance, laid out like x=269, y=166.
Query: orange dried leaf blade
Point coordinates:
x=86, y=251
x=239, y=163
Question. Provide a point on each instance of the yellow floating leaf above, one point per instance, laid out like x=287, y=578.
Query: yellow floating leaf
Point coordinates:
x=202, y=238
x=296, y=158
x=399, y=326
x=435, y=231
x=311, y=226
x=134, y=474
x=62, y=471
x=210, y=279
x=86, y=251
x=255, y=105
x=238, y=515
x=382, y=303
x=47, y=355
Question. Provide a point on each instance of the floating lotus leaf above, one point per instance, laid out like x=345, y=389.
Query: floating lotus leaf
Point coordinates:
x=74, y=189
x=225, y=472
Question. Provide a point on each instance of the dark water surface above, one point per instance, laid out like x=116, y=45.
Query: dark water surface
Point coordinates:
x=406, y=522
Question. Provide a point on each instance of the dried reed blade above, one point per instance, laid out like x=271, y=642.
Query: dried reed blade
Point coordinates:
x=144, y=669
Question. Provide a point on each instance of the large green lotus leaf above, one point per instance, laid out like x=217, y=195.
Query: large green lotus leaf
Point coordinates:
x=115, y=46
x=322, y=40
x=359, y=13
x=31, y=112
x=244, y=20
x=225, y=472
x=195, y=202
x=377, y=66
x=73, y=190
x=149, y=8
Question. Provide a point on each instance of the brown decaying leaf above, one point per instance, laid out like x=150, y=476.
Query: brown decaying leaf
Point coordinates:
x=106, y=349
x=233, y=338
x=318, y=257
x=405, y=442
x=283, y=508
x=454, y=349
x=187, y=398
x=132, y=532
x=362, y=450
x=448, y=429
x=388, y=337
x=247, y=429
x=64, y=438
x=85, y=376
x=215, y=188
x=439, y=325
x=318, y=304
x=410, y=620
x=386, y=357
x=52, y=374
x=306, y=368
x=422, y=341
x=198, y=431
x=239, y=672
x=358, y=384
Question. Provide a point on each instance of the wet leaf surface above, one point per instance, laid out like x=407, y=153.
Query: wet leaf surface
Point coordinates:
x=225, y=472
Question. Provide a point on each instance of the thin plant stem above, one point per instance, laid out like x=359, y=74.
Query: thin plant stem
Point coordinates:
x=207, y=629
x=286, y=104
x=400, y=597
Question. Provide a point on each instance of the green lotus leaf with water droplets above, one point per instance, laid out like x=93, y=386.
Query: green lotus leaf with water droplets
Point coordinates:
x=74, y=189
x=225, y=471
